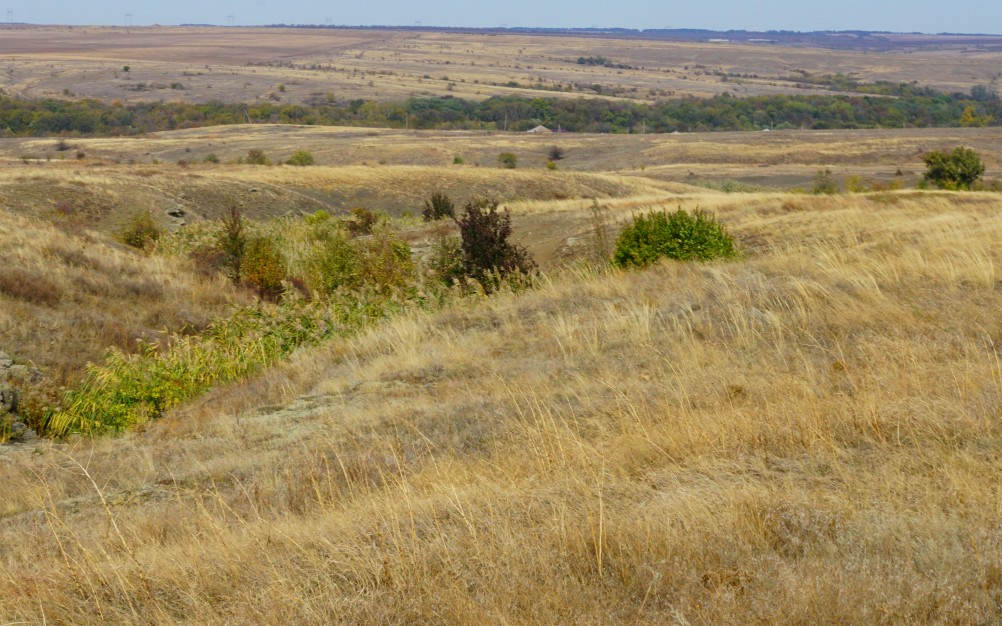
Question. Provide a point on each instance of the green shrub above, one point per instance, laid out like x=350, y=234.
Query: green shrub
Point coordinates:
x=317, y=217
x=385, y=263
x=439, y=206
x=445, y=264
x=508, y=160
x=256, y=156
x=264, y=267
x=677, y=235
x=301, y=158
x=550, y=165
x=380, y=263
x=334, y=265
x=211, y=158
x=824, y=183
x=556, y=153
x=362, y=222
x=488, y=257
x=141, y=231
x=957, y=170
x=458, y=160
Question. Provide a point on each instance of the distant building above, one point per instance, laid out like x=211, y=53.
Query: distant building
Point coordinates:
x=539, y=130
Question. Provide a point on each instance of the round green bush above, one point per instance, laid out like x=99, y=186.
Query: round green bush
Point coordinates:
x=676, y=235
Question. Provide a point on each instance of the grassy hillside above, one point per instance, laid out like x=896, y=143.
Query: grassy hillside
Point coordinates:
x=807, y=435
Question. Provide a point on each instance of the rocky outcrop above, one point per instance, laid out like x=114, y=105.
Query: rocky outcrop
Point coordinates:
x=13, y=378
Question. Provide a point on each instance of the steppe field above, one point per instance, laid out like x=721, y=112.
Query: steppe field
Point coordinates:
x=807, y=433
x=301, y=66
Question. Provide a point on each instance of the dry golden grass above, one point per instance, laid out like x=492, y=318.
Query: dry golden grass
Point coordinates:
x=807, y=435
x=67, y=294
x=297, y=65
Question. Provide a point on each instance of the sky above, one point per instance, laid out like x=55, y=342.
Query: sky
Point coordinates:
x=959, y=16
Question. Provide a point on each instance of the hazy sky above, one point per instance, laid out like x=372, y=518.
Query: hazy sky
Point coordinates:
x=967, y=16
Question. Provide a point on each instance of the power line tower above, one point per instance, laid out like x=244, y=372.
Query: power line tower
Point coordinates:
x=230, y=19
x=10, y=16
x=128, y=21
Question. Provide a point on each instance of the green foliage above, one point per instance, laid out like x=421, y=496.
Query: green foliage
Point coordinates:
x=334, y=265
x=488, y=257
x=550, y=165
x=457, y=160
x=127, y=390
x=232, y=242
x=437, y=207
x=301, y=158
x=676, y=235
x=508, y=160
x=385, y=262
x=211, y=158
x=957, y=170
x=264, y=267
x=256, y=156
x=910, y=106
x=141, y=231
x=824, y=183
x=317, y=217
x=379, y=264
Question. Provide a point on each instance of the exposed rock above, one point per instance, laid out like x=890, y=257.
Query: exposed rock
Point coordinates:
x=13, y=377
x=177, y=211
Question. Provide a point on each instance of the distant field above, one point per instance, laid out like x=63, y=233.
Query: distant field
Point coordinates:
x=395, y=170
x=300, y=65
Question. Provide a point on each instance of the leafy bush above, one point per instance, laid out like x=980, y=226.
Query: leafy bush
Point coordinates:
x=957, y=170
x=550, y=165
x=362, y=222
x=141, y=231
x=264, y=267
x=458, y=160
x=334, y=265
x=445, y=263
x=439, y=206
x=508, y=160
x=385, y=262
x=211, y=158
x=301, y=158
x=379, y=264
x=488, y=257
x=675, y=235
x=824, y=183
x=556, y=153
x=256, y=156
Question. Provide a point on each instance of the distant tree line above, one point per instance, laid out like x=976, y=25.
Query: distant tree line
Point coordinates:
x=895, y=107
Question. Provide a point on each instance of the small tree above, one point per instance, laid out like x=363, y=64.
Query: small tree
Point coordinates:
x=956, y=170
x=488, y=257
x=232, y=242
x=437, y=207
x=508, y=160
x=556, y=153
